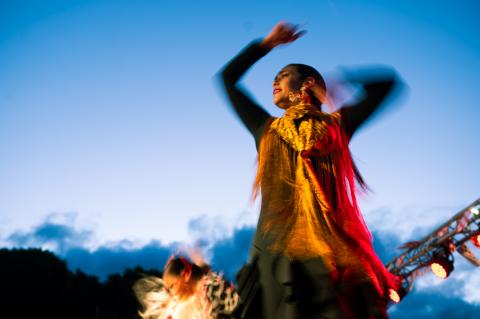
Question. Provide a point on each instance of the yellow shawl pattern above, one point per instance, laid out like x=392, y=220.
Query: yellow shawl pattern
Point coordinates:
x=307, y=202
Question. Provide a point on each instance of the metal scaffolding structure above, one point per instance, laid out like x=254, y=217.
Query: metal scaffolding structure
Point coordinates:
x=451, y=236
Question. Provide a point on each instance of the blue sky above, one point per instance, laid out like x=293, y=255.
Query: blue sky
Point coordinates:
x=111, y=121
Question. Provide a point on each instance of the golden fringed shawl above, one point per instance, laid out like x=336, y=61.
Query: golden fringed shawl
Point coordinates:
x=309, y=209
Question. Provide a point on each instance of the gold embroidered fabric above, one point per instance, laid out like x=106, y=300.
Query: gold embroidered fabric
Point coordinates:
x=301, y=158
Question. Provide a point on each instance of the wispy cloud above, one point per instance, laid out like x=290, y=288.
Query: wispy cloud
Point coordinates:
x=230, y=253
x=430, y=304
x=392, y=228
x=57, y=232
x=60, y=233
x=410, y=222
x=227, y=250
x=432, y=297
x=115, y=259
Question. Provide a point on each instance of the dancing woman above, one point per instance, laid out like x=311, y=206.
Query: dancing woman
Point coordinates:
x=313, y=250
x=186, y=291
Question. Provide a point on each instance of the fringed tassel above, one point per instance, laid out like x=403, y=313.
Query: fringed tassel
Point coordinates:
x=311, y=212
x=353, y=225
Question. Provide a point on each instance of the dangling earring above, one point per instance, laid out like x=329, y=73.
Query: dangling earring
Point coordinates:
x=295, y=97
x=305, y=97
x=301, y=96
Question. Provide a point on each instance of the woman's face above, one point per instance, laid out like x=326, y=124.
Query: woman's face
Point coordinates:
x=286, y=81
x=178, y=285
x=172, y=283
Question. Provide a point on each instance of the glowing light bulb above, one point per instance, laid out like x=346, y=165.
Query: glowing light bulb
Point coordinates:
x=393, y=295
x=438, y=270
x=475, y=210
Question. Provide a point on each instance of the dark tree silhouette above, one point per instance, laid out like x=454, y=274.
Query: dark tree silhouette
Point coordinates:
x=37, y=284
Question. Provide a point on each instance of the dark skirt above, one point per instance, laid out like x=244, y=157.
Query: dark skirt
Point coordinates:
x=285, y=289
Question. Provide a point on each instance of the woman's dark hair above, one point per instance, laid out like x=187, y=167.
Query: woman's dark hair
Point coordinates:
x=177, y=265
x=306, y=71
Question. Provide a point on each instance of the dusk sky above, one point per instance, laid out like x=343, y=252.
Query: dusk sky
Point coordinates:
x=114, y=133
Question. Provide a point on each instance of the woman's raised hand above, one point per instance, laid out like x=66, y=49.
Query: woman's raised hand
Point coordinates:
x=282, y=33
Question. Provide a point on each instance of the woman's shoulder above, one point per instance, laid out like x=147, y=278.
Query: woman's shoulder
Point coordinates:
x=220, y=292
x=215, y=284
